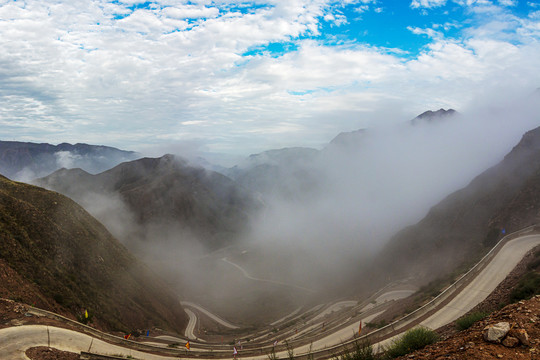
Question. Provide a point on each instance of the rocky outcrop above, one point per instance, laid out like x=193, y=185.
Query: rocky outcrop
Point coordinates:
x=510, y=333
x=497, y=332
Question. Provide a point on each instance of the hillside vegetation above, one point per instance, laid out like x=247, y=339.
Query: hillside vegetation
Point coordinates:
x=55, y=255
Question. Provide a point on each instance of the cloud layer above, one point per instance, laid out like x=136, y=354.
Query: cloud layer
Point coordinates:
x=134, y=74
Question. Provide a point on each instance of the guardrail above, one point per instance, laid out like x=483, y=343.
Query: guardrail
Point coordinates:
x=117, y=340
x=317, y=354
x=430, y=306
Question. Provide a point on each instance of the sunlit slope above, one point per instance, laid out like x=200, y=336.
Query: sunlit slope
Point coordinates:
x=67, y=261
x=504, y=198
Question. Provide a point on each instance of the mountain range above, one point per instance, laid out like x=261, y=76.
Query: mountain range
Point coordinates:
x=160, y=193
x=299, y=172
x=165, y=202
x=26, y=161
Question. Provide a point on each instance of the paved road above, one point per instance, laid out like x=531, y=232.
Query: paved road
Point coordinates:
x=335, y=307
x=15, y=340
x=191, y=324
x=246, y=274
x=287, y=316
x=484, y=284
x=387, y=296
x=209, y=314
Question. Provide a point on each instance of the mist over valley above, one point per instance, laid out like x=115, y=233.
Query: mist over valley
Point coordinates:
x=263, y=180
x=300, y=226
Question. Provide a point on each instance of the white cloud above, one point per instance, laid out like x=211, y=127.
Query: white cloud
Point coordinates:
x=336, y=19
x=63, y=77
x=508, y=2
x=428, y=32
x=427, y=3
x=190, y=12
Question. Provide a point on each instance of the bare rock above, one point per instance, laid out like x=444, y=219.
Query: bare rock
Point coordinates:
x=510, y=342
x=521, y=335
x=495, y=333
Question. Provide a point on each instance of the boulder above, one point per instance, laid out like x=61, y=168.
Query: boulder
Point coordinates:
x=510, y=342
x=496, y=332
x=521, y=335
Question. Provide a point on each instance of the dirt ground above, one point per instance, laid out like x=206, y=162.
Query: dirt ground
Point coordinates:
x=45, y=353
x=454, y=345
x=470, y=344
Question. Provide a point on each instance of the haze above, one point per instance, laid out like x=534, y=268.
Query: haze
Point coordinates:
x=216, y=81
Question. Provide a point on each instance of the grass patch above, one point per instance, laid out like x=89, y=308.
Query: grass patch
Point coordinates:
x=527, y=287
x=362, y=350
x=535, y=263
x=412, y=340
x=466, y=321
x=376, y=325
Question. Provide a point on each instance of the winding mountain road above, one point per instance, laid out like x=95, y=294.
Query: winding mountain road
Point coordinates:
x=15, y=340
x=191, y=324
x=246, y=275
x=209, y=314
x=485, y=282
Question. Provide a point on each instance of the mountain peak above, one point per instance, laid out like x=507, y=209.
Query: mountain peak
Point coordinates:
x=432, y=116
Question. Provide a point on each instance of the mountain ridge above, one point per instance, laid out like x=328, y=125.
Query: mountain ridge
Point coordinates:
x=70, y=263
x=165, y=190
x=470, y=220
x=30, y=160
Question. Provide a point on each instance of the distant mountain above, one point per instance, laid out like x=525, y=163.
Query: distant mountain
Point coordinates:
x=55, y=255
x=353, y=139
x=349, y=139
x=434, y=116
x=471, y=220
x=27, y=161
x=163, y=193
x=281, y=172
x=297, y=172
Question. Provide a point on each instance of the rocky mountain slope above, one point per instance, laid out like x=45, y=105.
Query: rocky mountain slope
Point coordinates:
x=55, y=255
x=24, y=160
x=161, y=193
x=520, y=342
x=504, y=198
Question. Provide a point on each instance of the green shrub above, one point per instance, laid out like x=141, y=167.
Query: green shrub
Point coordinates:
x=535, y=262
x=376, y=325
x=492, y=237
x=466, y=321
x=412, y=340
x=361, y=351
x=527, y=287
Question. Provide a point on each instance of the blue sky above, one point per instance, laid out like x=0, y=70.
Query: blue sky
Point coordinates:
x=246, y=76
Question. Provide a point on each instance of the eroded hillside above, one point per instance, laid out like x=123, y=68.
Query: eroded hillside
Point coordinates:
x=55, y=255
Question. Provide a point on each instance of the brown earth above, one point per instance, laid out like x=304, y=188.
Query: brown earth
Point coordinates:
x=54, y=255
x=45, y=353
x=498, y=298
x=470, y=344
x=454, y=345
